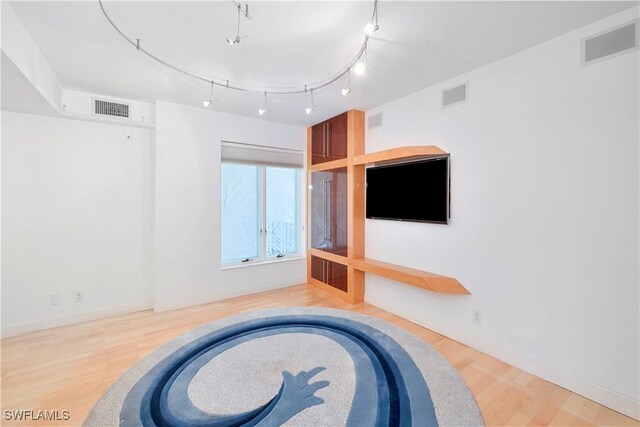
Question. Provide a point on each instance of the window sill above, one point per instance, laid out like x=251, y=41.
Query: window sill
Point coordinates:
x=264, y=262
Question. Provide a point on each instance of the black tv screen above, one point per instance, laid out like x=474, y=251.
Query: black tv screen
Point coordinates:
x=417, y=191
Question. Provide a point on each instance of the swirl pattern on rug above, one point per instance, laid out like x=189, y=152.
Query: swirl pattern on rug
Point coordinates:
x=290, y=367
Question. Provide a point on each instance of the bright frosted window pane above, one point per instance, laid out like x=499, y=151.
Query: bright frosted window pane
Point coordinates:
x=240, y=214
x=282, y=211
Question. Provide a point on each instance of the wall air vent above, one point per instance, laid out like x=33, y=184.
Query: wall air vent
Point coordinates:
x=454, y=95
x=374, y=121
x=611, y=43
x=110, y=109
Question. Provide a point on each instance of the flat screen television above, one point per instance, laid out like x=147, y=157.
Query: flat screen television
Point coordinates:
x=416, y=191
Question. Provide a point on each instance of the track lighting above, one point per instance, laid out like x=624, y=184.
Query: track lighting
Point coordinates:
x=211, y=99
x=347, y=90
x=358, y=64
x=245, y=11
x=263, y=110
x=361, y=67
x=371, y=28
x=310, y=108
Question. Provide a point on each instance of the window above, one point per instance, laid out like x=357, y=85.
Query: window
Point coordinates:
x=260, y=212
x=281, y=210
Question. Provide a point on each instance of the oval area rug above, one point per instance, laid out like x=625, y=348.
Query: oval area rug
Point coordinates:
x=301, y=366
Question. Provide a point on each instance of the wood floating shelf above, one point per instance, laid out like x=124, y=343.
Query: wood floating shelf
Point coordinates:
x=399, y=153
x=421, y=279
x=340, y=259
x=334, y=164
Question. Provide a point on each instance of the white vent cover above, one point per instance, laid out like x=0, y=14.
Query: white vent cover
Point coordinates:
x=611, y=43
x=111, y=109
x=375, y=121
x=454, y=95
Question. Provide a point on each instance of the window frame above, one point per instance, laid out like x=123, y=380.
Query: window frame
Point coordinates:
x=262, y=257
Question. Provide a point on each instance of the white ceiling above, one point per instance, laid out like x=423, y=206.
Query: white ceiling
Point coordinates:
x=289, y=43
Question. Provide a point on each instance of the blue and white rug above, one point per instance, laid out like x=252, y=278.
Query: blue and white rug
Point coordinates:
x=294, y=366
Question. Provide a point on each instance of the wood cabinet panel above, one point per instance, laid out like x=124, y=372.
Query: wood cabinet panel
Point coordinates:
x=329, y=272
x=337, y=276
x=318, y=144
x=329, y=211
x=337, y=132
x=318, y=268
x=329, y=140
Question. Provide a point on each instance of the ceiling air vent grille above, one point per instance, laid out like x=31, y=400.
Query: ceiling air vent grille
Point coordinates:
x=454, y=95
x=611, y=43
x=111, y=109
x=375, y=121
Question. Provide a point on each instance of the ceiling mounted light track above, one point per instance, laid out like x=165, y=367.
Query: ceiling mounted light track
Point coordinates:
x=358, y=66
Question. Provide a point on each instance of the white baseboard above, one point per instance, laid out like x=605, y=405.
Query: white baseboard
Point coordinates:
x=11, y=331
x=25, y=328
x=604, y=396
x=221, y=295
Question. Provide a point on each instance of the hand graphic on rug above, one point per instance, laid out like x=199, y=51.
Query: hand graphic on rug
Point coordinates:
x=296, y=394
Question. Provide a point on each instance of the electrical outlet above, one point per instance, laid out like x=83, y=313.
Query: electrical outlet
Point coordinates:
x=54, y=299
x=477, y=316
x=78, y=296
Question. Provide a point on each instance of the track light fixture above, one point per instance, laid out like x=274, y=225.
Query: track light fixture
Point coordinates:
x=347, y=90
x=310, y=108
x=373, y=26
x=358, y=64
x=211, y=99
x=263, y=110
x=241, y=11
x=361, y=67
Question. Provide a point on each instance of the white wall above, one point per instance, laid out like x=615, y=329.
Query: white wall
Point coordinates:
x=188, y=206
x=544, y=215
x=76, y=204
x=79, y=213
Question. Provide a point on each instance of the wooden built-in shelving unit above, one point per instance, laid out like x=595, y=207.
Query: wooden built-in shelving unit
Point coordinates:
x=355, y=262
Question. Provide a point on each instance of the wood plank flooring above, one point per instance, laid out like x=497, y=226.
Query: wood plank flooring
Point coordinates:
x=70, y=367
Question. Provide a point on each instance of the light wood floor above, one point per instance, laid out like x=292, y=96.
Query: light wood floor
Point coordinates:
x=69, y=368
